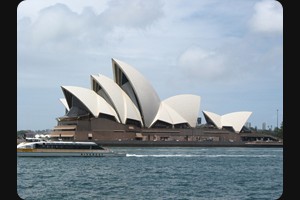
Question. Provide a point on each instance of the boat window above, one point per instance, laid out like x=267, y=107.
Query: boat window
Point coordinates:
x=64, y=146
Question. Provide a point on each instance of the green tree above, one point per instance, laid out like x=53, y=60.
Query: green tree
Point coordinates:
x=21, y=133
x=280, y=131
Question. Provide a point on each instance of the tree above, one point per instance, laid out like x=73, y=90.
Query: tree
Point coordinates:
x=280, y=131
x=21, y=133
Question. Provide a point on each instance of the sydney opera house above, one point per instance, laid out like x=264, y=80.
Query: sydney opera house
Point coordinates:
x=128, y=108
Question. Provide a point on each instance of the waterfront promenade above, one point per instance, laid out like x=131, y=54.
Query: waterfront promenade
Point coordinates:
x=136, y=143
x=140, y=143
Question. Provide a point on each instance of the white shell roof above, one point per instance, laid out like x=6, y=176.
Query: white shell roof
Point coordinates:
x=118, y=98
x=147, y=97
x=95, y=103
x=64, y=102
x=187, y=106
x=215, y=118
x=168, y=114
x=235, y=119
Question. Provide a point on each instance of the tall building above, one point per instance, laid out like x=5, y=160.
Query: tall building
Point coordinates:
x=264, y=126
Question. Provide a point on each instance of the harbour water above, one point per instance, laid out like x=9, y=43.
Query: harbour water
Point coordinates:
x=156, y=173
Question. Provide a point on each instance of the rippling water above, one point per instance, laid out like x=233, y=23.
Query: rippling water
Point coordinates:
x=156, y=173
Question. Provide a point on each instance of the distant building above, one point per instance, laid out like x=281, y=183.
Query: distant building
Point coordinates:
x=248, y=124
x=264, y=126
x=199, y=120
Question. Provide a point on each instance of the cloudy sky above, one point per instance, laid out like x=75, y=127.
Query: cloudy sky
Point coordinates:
x=229, y=52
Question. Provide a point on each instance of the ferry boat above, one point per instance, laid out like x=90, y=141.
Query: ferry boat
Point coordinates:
x=64, y=148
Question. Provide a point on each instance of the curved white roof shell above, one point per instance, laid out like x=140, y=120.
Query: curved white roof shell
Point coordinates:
x=138, y=89
x=116, y=97
x=64, y=102
x=214, y=118
x=168, y=115
x=235, y=119
x=187, y=106
x=93, y=102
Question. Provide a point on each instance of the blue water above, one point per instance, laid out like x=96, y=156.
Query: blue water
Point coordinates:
x=156, y=173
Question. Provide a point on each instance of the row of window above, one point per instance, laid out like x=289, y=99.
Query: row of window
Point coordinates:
x=66, y=146
x=91, y=154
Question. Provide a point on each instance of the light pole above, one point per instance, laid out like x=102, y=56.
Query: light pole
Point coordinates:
x=277, y=120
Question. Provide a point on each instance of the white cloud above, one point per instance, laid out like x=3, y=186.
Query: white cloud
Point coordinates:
x=31, y=8
x=58, y=27
x=268, y=17
x=202, y=65
x=56, y=24
x=132, y=13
